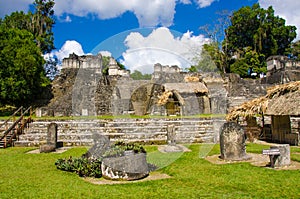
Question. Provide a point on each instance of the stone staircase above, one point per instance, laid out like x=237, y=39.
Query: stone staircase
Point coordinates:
x=149, y=131
x=12, y=128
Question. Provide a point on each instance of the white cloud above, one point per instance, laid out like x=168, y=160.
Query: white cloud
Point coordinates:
x=185, y=1
x=9, y=6
x=68, y=19
x=105, y=53
x=148, y=12
x=204, y=3
x=161, y=47
x=289, y=10
x=68, y=48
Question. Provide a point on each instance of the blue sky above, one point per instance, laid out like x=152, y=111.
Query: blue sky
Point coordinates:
x=90, y=31
x=127, y=28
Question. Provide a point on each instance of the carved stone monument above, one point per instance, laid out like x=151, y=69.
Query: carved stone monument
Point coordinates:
x=128, y=167
x=51, y=139
x=171, y=142
x=232, y=142
x=101, y=145
x=171, y=135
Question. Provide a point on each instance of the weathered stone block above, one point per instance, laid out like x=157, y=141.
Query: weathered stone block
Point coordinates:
x=101, y=145
x=47, y=148
x=52, y=134
x=232, y=142
x=129, y=167
x=284, y=158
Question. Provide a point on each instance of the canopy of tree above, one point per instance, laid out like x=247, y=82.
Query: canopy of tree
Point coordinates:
x=39, y=23
x=260, y=31
x=22, y=76
x=137, y=75
x=24, y=38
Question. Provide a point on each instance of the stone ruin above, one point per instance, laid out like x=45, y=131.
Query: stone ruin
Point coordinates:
x=232, y=142
x=82, y=89
x=131, y=166
x=51, y=141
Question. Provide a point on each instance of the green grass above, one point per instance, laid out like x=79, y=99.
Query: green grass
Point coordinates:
x=25, y=175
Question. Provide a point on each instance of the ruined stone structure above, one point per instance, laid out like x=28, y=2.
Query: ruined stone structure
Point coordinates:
x=83, y=90
x=281, y=69
x=85, y=61
x=146, y=131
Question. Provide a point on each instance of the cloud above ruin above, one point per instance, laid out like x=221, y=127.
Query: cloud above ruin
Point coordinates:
x=289, y=10
x=161, y=46
x=68, y=48
x=148, y=12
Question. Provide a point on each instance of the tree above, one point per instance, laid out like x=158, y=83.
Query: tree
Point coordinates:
x=22, y=76
x=295, y=50
x=249, y=62
x=39, y=23
x=212, y=58
x=212, y=55
x=50, y=66
x=18, y=20
x=259, y=29
x=137, y=75
x=42, y=22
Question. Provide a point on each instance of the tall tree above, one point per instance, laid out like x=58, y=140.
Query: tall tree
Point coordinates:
x=42, y=22
x=22, y=76
x=259, y=29
x=39, y=23
x=212, y=55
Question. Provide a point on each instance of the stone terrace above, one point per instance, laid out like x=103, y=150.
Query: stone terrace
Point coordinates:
x=149, y=131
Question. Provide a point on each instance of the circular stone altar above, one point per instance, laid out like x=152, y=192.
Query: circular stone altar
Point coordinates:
x=129, y=167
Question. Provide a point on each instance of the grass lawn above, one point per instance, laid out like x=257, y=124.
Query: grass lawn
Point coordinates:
x=25, y=175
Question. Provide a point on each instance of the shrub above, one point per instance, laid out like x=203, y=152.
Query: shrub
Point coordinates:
x=119, y=148
x=88, y=167
x=82, y=166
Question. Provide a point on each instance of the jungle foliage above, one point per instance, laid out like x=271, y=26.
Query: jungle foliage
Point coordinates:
x=251, y=36
x=24, y=38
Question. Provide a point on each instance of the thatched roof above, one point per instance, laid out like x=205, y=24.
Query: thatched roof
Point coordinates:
x=280, y=100
x=163, y=99
x=190, y=87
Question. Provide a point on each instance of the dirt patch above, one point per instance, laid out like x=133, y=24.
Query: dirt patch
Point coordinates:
x=152, y=176
x=259, y=160
x=173, y=148
x=58, y=150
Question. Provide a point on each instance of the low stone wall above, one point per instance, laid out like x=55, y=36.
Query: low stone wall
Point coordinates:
x=148, y=131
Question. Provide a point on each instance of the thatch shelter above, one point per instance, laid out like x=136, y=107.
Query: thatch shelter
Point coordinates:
x=281, y=103
x=185, y=98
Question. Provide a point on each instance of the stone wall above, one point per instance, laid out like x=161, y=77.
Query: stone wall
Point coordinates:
x=242, y=90
x=85, y=61
x=150, y=131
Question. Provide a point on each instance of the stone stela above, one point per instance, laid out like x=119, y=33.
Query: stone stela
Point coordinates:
x=171, y=135
x=232, y=142
x=51, y=144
